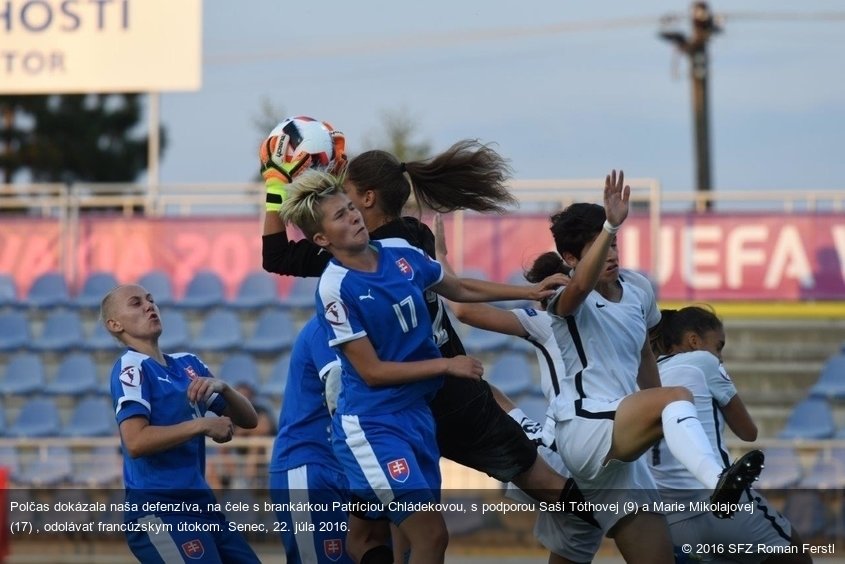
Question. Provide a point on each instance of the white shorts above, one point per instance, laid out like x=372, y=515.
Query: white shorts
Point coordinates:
x=561, y=533
x=584, y=444
x=762, y=526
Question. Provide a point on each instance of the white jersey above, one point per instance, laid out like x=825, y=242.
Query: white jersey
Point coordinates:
x=601, y=344
x=701, y=373
x=538, y=325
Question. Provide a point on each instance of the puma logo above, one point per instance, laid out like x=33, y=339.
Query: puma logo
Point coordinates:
x=367, y=296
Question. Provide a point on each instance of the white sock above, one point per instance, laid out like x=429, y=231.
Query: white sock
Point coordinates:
x=687, y=441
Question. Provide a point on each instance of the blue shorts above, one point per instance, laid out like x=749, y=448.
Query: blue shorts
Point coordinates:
x=312, y=536
x=392, y=461
x=162, y=541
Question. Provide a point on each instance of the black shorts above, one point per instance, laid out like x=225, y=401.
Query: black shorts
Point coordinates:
x=474, y=431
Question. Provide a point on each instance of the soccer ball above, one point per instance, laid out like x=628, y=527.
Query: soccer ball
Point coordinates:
x=294, y=136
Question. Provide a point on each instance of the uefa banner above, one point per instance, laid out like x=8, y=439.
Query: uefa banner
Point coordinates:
x=790, y=257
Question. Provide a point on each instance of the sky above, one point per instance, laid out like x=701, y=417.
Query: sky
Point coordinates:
x=562, y=90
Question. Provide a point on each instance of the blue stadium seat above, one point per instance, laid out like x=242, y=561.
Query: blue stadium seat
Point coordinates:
x=831, y=382
x=534, y=407
x=92, y=417
x=220, y=331
x=480, y=341
x=240, y=369
x=806, y=511
x=76, y=376
x=14, y=331
x=278, y=379
x=301, y=294
x=50, y=468
x=48, y=290
x=99, y=468
x=10, y=460
x=100, y=339
x=95, y=287
x=8, y=290
x=62, y=331
x=23, y=375
x=812, y=418
x=274, y=332
x=783, y=469
x=176, y=335
x=258, y=289
x=158, y=283
x=827, y=472
x=204, y=290
x=38, y=417
x=512, y=374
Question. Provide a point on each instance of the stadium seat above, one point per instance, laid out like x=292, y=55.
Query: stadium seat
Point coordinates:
x=274, y=332
x=95, y=287
x=827, y=472
x=14, y=331
x=783, y=469
x=51, y=467
x=258, y=289
x=99, y=468
x=220, y=331
x=62, y=331
x=534, y=407
x=831, y=382
x=38, y=417
x=76, y=376
x=23, y=375
x=812, y=418
x=157, y=282
x=805, y=509
x=92, y=417
x=10, y=460
x=48, y=290
x=176, y=335
x=8, y=290
x=275, y=384
x=2, y=421
x=301, y=294
x=204, y=290
x=480, y=341
x=512, y=374
x=100, y=339
x=240, y=369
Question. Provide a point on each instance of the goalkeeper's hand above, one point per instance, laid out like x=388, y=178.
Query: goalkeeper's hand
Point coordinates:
x=338, y=163
x=278, y=176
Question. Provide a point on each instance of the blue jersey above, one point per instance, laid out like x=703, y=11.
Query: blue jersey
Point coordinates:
x=388, y=307
x=305, y=423
x=140, y=386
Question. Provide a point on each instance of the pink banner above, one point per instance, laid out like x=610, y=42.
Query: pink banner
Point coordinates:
x=703, y=257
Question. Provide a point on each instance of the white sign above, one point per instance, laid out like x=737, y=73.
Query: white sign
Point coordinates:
x=80, y=46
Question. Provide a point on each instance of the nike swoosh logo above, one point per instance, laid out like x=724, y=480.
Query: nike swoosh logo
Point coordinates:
x=600, y=305
x=685, y=418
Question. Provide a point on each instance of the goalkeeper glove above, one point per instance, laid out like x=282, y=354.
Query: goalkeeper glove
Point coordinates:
x=278, y=176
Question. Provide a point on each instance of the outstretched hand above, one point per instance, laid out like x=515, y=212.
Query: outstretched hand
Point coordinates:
x=547, y=286
x=616, y=196
x=439, y=236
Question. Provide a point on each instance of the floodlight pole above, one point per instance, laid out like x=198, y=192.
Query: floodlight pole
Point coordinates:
x=695, y=47
x=153, y=151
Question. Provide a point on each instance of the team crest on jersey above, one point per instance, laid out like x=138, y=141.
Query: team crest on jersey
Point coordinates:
x=130, y=376
x=192, y=374
x=333, y=549
x=336, y=313
x=405, y=268
x=193, y=549
x=399, y=470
